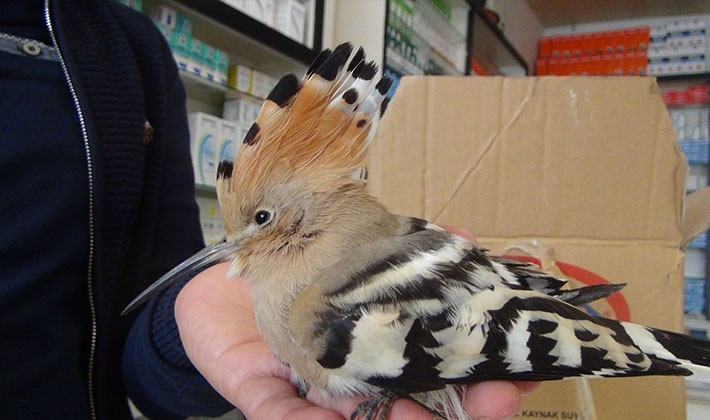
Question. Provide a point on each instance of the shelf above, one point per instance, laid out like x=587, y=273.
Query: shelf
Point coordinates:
x=207, y=191
x=253, y=42
x=684, y=77
x=400, y=65
x=423, y=42
x=425, y=36
x=686, y=100
x=203, y=89
x=439, y=22
x=491, y=48
x=197, y=86
x=689, y=105
x=697, y=324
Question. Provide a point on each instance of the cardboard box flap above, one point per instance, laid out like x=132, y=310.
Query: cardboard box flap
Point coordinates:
x=696, y=219
x=570, y=163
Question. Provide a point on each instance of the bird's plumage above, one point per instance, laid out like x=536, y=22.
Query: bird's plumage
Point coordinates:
x=360, y=301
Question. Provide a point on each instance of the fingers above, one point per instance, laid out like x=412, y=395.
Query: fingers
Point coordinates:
x=460, y=231
x=492, y=400
x=275, y=398
x=526, y=387
x=402, y=408
x=344, y=406
x=486, y=400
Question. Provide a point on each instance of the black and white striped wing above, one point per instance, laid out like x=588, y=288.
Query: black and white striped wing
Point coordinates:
x=427, y=309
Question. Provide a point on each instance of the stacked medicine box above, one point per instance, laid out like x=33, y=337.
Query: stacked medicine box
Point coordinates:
x=424, y=37
x=134, y=4
x=191, y=54
x=620, y=52
x=689, y=110
x=286, y=16
x=212, y=139
x=679, y=46
x=252, y=82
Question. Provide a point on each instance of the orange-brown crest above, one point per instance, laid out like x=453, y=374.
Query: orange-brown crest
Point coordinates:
x=314, y=130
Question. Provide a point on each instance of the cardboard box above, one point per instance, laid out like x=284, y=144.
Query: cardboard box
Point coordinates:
x=588, y=166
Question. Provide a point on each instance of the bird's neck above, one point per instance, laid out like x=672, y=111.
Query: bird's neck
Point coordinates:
x=351, y=222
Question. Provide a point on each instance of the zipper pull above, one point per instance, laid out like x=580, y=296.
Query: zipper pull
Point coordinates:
x=147, y=133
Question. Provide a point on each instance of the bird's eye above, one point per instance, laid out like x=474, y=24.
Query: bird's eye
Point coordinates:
x=262, y=217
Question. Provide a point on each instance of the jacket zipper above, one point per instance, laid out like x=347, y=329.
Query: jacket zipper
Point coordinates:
x=90, y=173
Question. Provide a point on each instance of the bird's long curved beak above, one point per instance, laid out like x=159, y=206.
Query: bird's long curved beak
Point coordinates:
x=206, y=257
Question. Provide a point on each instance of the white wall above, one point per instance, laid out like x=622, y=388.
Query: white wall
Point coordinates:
x=361, y=22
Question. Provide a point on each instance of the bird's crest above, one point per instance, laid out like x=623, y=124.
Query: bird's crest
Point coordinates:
x=315, y=129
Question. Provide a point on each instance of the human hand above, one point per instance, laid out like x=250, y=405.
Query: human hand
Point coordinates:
x=218, y=330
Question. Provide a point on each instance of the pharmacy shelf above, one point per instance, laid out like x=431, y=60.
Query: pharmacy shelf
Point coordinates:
x=203, y=90
x=265, y=36
x=422, y=41
x=427, y=41
x=491, y=48
x=248, y=40
x=442, y=24
x=684, y=77
x=696, y=148
x=207, y=90
x=698, y=325
x=400, y=65
x=203, y=190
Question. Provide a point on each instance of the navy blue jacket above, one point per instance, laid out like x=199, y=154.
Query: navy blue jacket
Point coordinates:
x=144, y=218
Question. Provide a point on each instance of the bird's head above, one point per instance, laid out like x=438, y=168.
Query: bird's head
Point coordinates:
x=295, y=169
x=298, y=160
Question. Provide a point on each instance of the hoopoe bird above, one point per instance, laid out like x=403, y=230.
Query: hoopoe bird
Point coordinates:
x=359, y=301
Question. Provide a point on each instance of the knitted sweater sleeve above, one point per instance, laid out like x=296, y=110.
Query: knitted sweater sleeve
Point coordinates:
x=158, y=376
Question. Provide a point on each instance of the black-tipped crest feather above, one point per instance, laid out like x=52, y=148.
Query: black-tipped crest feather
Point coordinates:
x=331, y=67
x=251, y=136
x=368, y=71
x=285, y=89
x=384, y=85
x=358, y=58
x=224, y=169
x=320, y=59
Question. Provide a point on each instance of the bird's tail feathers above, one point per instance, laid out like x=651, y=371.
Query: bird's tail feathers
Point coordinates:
x=689, y=352
x=700, y=374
